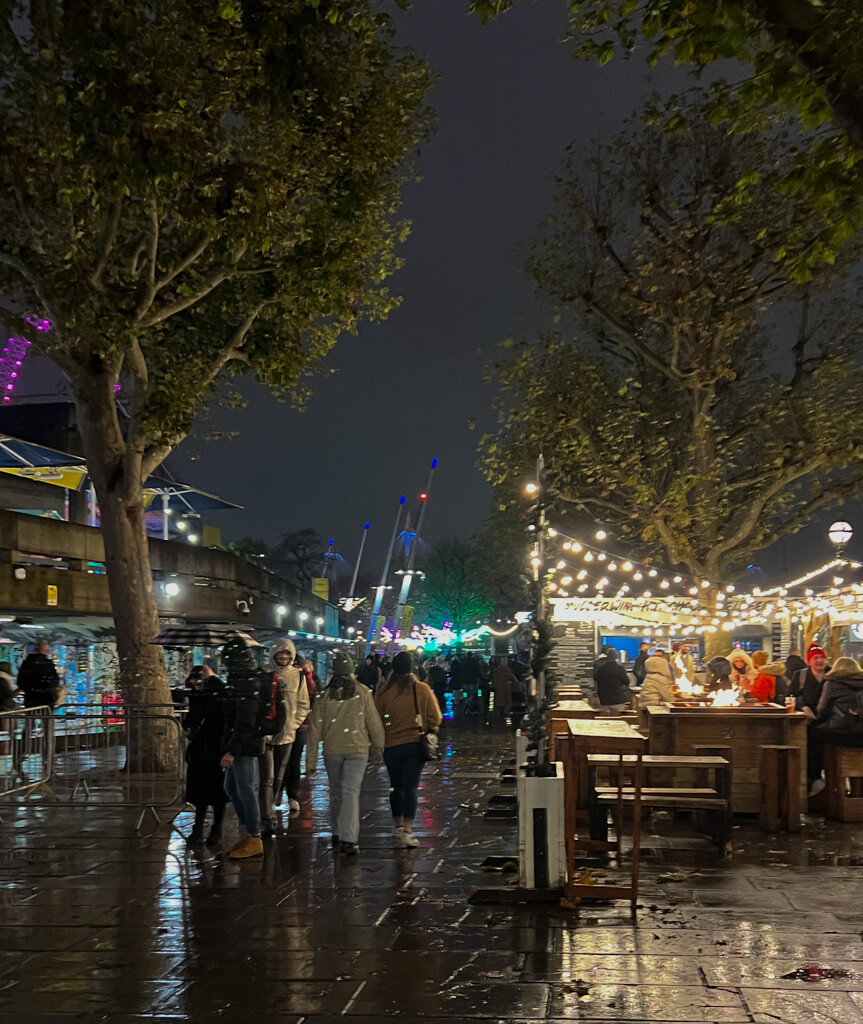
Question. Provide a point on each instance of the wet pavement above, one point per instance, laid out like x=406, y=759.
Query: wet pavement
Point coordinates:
x=99, y=924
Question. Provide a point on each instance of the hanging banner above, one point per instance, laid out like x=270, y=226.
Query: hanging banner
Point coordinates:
x=321, y=587
x=407, y=619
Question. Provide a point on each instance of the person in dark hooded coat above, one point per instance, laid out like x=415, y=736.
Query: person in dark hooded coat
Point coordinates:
x=205, y=727
x=839, y=718
x=612, y=682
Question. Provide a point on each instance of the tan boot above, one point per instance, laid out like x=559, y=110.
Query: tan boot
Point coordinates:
x=252, y=847
x=244, y=835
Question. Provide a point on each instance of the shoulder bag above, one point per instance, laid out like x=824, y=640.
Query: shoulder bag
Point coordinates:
x=429, y=749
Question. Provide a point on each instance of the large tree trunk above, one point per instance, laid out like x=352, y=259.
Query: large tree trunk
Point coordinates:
x=115, y=471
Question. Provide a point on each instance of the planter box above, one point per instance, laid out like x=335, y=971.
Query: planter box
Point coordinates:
x=541, y=846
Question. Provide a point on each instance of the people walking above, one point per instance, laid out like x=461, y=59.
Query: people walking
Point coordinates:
x=437, y=680
x=251, y=700
x=369, y=673
x=308, y=691
x=347, y=722
x=504, y=682
x=204, y=725
x=408, y=710
x=275, y=759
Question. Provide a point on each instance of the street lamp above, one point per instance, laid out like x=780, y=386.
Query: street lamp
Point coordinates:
x=840, y=534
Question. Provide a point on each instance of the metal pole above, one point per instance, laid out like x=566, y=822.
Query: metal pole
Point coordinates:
x=540, y=580
x=359, y=559
x=408, y=577
x=380, y=594
x=166, y=500
x=92, y=516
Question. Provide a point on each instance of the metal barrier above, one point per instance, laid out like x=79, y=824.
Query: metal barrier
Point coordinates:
x=110, y=756
x=26, y=752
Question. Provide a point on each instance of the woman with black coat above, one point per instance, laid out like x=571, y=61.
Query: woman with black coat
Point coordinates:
x=205, y=725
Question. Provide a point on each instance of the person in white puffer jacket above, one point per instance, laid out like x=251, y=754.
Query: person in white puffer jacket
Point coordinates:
x=658, y=686
x=274, y=761
x=346, y=720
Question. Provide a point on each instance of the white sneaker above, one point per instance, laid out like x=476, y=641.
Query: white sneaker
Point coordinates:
x=410, y=840
x=294, y=805
x=818, y=786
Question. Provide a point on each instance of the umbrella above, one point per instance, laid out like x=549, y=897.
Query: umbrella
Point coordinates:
x=201, y=636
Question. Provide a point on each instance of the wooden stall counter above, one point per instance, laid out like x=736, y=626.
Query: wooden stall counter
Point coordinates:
x=744, y=729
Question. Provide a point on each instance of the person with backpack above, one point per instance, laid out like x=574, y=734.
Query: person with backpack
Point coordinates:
x=254, y=708
x=346, y=721
x=308, y=689
x=839, y=718
x=276, y=756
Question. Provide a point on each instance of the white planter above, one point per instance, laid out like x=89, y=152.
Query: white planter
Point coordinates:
x=541, y=846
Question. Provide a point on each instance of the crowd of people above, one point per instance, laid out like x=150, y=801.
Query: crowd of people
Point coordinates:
x=246, y=735
x=830, y=696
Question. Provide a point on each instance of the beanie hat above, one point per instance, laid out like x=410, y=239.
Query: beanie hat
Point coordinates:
x=403, y=664
x=343, y=663
x=760, y=658
x=813, y=650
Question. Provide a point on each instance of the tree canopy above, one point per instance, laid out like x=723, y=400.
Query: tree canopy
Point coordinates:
x=193, y=189
x=769, y=59
x=694, y=397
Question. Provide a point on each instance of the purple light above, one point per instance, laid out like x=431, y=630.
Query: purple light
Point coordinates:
x=16, y=350
x=39, y=323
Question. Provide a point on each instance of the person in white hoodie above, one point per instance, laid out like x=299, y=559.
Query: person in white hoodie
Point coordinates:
x=274, y=761
x=658, y=686
x=346, y=720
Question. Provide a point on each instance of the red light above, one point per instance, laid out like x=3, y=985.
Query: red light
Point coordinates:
x=423, y=496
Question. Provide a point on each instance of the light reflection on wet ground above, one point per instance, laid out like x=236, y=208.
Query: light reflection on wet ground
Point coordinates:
x=97, y=924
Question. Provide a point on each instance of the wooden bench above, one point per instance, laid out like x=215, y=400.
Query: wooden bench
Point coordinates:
x=715, y=799
x=841, y=763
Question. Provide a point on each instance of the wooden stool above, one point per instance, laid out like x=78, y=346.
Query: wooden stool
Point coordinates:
x=779, y=776
x=843, y=763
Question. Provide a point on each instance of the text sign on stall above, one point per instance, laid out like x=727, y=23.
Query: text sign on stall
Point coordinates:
x=620, y=610
x=51, y=599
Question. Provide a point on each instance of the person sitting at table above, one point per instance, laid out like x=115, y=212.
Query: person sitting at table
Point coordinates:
x=763, y=686
x=658, y=686
x=719, y=672
x=839, y=720
x=742, y=671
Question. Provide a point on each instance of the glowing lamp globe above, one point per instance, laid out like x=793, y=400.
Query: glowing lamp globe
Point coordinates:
x=840, y=534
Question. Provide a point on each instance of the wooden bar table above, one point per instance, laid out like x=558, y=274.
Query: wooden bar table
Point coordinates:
x=565, y=711
x=675, y=730
x=598, y=736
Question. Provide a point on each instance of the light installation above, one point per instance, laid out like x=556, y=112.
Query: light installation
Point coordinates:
x=11, y=360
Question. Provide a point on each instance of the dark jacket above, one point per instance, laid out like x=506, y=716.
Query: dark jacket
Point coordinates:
x=794, y=664
x=205, y=726
x=38, y=681
x=638, y=669
x=246, y=700
x=840, y=708
x=612, y=682
x=370, y=676
x=437, y=680
x=806, y=688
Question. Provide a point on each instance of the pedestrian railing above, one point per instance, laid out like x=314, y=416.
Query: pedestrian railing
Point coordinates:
x=104, y=756
x=26, y=752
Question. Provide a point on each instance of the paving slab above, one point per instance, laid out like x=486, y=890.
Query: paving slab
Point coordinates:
x=100, y=925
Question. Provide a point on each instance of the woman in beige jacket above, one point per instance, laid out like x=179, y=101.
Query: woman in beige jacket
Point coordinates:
x=345, y=719
x=409, y=709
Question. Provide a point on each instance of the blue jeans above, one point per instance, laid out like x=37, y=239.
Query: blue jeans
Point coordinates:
x=404, y=763
x=345, y=772
x=241, y=785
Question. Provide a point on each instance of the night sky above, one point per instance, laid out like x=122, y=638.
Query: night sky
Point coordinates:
x=508, y=100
